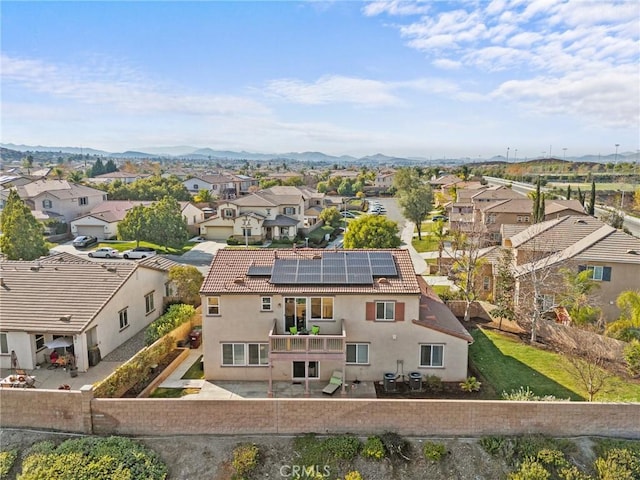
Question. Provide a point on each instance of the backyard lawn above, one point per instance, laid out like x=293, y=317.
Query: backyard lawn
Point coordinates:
x=122, y=246
x=507, y=363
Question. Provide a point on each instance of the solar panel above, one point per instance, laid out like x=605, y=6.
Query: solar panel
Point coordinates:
x=259, y=270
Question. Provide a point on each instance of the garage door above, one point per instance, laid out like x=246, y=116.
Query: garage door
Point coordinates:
x=93, y=231
x=219, y=233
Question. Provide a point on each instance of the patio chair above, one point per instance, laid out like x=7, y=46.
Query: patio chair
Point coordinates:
x=315, y=330
x=293, y=330
x=335, y=382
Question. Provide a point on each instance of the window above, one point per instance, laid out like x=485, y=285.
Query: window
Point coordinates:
x=289, y=210
x=196, y=187
x=599, y=273
x=4, y=344
x=431, y=355
x=169, y=289
x=39, y=341
x=47, y=204
x=522, y=219
x=284, y=231
x=268, y=212
x=486, y=283
x=213, y=305
x=124, y=319
x=148, y=303
x=358, y=353
x=228, y=212
x=385, y=311
x=321, y=308
x=265, y=304
x=546, y=301
x=246, y=232
x=258, y=354
x=235, y=354
x=83, y=201
x=491, y=218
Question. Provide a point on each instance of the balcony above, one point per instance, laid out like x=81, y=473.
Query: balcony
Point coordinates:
x=307, y=347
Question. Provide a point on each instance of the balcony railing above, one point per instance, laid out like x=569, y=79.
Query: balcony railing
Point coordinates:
x=306, y=343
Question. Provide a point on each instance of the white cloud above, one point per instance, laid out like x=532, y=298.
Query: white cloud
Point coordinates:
x=115, y=86
x=395, y=8
x=447, y=64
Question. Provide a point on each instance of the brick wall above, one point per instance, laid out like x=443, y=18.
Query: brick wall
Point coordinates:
x=78, y=412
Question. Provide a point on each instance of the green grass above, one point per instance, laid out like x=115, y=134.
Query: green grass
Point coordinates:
x=173, y=392
x=195, y=371
x=507, y=364
x=318, y=234
x=122, y=246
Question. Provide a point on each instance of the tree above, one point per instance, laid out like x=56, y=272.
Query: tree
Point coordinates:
x=589, y=370
x=627, y=327
x=97, y=169
x=440, y=234
x=331, y=216
x=345, y=188
x=467, y=266
x=372, y=231
x=167, y=226
x=22, y=235
x=505, y=287
x=405, y=179
x=110, y=166
x=75, y=177
x=538, y=203
x=592, y=203
x=416, y=204
x=135, y=225
x=187, y=281
x=569, y=192
x=581, y=197
x=577, y=296
x=151, y=188
x=203, y=196
x=636, y=200
x=27, y=162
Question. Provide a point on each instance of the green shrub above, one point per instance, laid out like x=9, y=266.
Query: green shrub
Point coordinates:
x=471, y=384
x=233, y=241
x=524, y=394
x=373, y=448
x=245, y=459
x=434, y=383
x=530, y=470
x=395, y=445
x=95, y=458
x=355, y=475
x=176, y=315
x=434, y=451
x=345, y=447
x=493, y=445
x=632, y=357
x=7, y=459
x=618, y=464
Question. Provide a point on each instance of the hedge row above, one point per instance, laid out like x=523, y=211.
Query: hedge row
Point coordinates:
x=176, y=315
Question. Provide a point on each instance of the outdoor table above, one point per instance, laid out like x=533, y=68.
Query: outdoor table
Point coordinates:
x=18, y=381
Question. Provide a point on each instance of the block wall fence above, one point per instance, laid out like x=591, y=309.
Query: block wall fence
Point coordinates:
x=79, y=411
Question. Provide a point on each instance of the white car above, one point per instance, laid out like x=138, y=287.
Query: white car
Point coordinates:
x=104, y=252
x=138, y=252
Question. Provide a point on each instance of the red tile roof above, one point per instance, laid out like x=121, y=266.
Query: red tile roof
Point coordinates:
x=228, y=274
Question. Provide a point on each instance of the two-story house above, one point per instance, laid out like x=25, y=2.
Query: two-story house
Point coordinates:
x=577, y=243
x=271, y=214
x=300, y=314
x=64, y=199
x=223, y=186
x=99, y=306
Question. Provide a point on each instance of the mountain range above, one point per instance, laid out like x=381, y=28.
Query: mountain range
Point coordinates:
x=187, y=152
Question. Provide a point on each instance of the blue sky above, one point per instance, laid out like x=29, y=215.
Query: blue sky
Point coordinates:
x=428, y=79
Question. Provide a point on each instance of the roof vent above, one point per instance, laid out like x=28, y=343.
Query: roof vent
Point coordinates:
x=580, y=222
x=238, y=280
x=65, y=318
x=112, y=269
x=317, y=256
x=35, y=268
x=383, y=280
x=633, y=252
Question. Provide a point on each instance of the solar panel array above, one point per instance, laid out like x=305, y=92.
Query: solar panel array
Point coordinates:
x=343, y=268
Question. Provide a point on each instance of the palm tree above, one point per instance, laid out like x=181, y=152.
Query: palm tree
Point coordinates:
x=627, y=326
x=440, y=234
x=75, y=176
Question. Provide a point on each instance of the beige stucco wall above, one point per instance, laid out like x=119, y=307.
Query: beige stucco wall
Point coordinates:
x=242, y=322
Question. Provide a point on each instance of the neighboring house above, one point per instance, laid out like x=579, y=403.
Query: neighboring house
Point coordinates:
x=98, y=305
x=102, y=221
x=271, y=214
x=371, y=312
x=124, y=177
x=384, y=180
x=520, y=211
x=64, y=199
x=578, y=243
x=223, y=186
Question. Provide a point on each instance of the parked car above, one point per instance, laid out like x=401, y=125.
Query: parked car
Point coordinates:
x=139, y=252
x=441, y=218
x=84, y=241
x=104, y=252
x=347, y=214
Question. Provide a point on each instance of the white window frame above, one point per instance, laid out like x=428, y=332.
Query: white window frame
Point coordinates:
x=325, y=302
x=4, y=343
x=491, y=218
x=169, y=289
x=39, y=338
x=228, y=213
x=486, y=283
x=241, y=354
x=123, y=318
x=149, y=304
x=46, y=203
x=385, y=318
x=289, y=210
x=266, y=304
x=358, y=347
x=432, y=346
x=522, y=219
x=597, y=272
x=213, y=308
